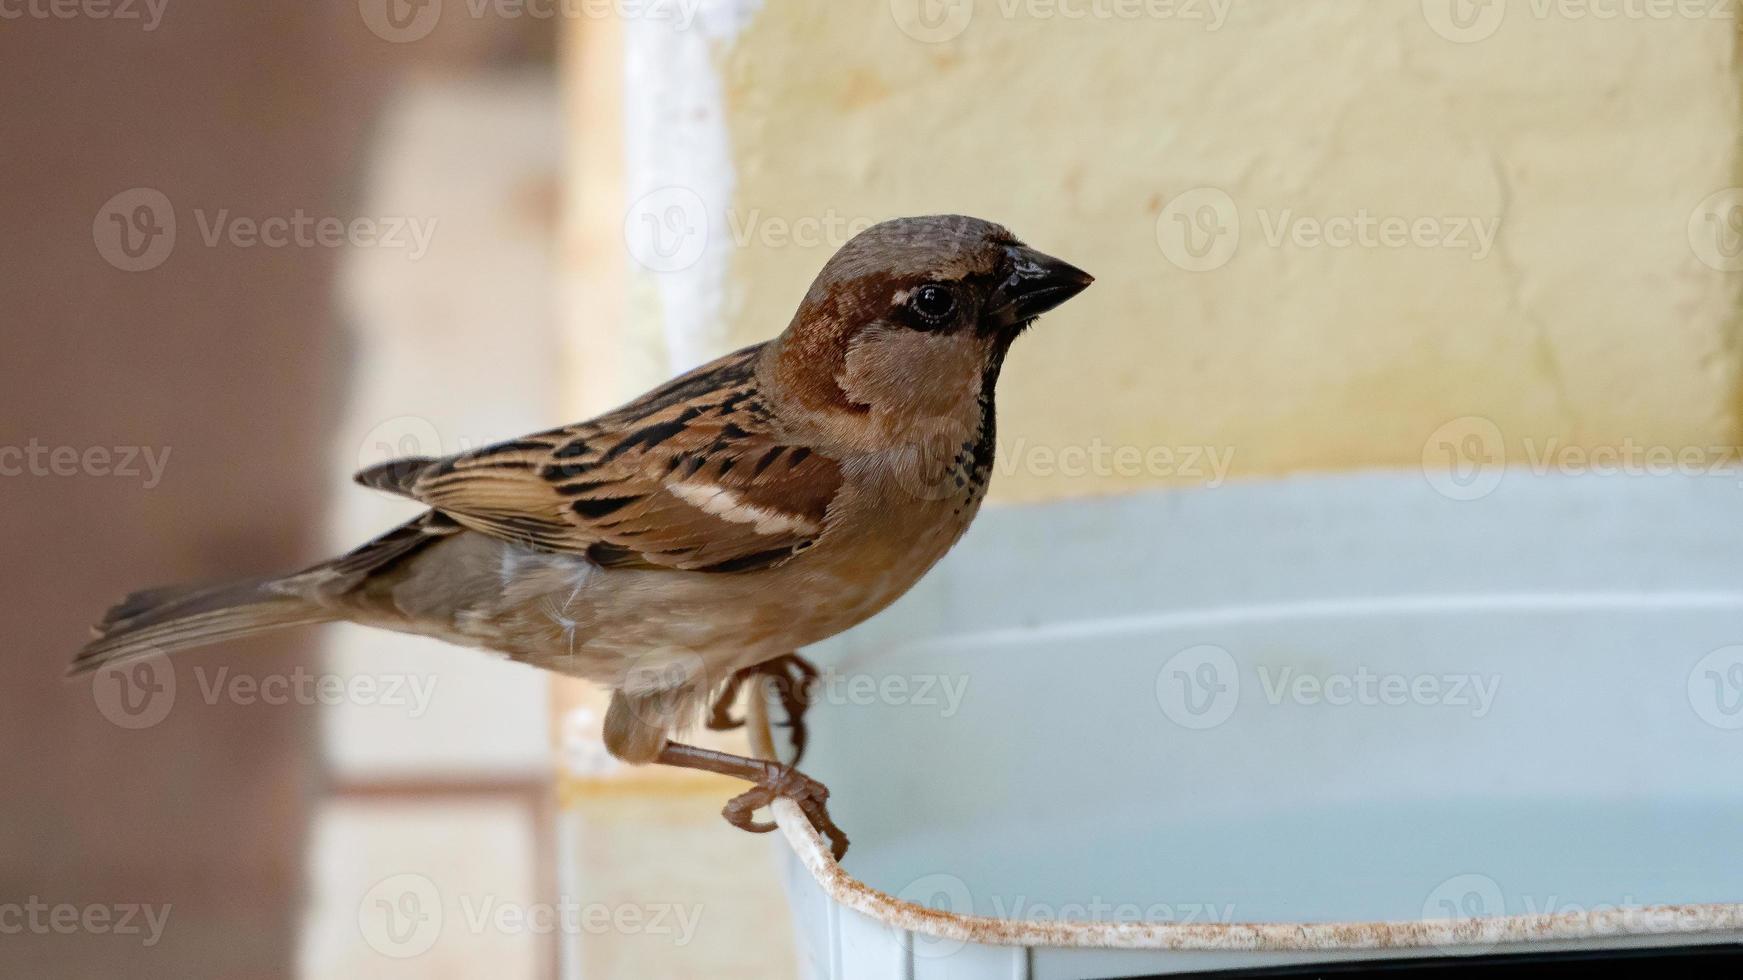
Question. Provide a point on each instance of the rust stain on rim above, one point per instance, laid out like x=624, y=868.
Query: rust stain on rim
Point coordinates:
x=813, y=851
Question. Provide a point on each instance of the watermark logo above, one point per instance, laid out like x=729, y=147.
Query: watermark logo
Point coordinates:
x=932, y=21
x=401, y=437
x=136, y=694
x=1465, y=898
x=1199, y=230
x=935, y=459
x=1716, y=230
x=1715, y=688
x=401, y=916
x=413, y=437
x=1199, y=687
x=400, y=21
x=135, y=231
x=940, y=893
x=660, y=686
x=1465, y=459
x=1464, y=21
x=667, y=229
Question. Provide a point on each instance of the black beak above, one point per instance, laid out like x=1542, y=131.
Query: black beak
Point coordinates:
x=1035, y=283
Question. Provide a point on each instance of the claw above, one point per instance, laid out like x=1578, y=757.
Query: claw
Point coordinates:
x=720, y=717
x=811, y=795
x=768, y=780
x=739, y=809
x=791, y=676
x=720, y=713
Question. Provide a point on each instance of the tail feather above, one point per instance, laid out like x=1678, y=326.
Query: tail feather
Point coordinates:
x=176, y=618
x=143, y=601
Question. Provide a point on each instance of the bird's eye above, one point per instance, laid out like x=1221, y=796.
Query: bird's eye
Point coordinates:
x=934, y=303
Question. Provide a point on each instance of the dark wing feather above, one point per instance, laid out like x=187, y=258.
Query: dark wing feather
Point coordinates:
x=691, y=476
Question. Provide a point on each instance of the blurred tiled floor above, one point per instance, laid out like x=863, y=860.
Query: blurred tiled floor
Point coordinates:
x=443, y=853
x=424, y=889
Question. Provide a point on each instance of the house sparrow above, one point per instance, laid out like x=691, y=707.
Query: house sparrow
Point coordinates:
x=705, y=531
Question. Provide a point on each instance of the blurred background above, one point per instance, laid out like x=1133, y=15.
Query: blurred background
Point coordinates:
x=251, y=248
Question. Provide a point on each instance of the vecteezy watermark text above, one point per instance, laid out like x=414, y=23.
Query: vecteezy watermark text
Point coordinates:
x=1202, y=229
x=570, y=917
x=148, y=13
x=1469, y=457
x=1097, y=909
x=140, y=693
x=937, y=21
x=1370, y=688
x=40, y=918
x=404, y=21
x=1470, y=21
x=404, y=915
x=942, y=691
x=1200, y=687
x=137, y=230
x=1207, y=464
x=300, y=229
x=35, y=459
x=1474, y=897
x=947, y=893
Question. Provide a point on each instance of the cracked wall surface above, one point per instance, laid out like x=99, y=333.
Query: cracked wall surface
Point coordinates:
x=1547, y=246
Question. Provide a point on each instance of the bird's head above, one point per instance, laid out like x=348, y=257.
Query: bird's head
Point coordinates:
x=912, y=317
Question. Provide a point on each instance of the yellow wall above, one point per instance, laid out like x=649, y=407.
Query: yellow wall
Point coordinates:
x=1584, y=145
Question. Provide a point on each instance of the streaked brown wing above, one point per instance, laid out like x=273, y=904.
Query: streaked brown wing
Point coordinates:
x=688, y=477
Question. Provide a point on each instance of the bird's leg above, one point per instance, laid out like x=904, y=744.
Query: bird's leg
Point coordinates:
x=720, y=717
x=771, y=780
x=792, y=677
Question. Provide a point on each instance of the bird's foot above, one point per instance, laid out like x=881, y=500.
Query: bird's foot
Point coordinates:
x=770, y=781
x=791, y=677
x=811, y=795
